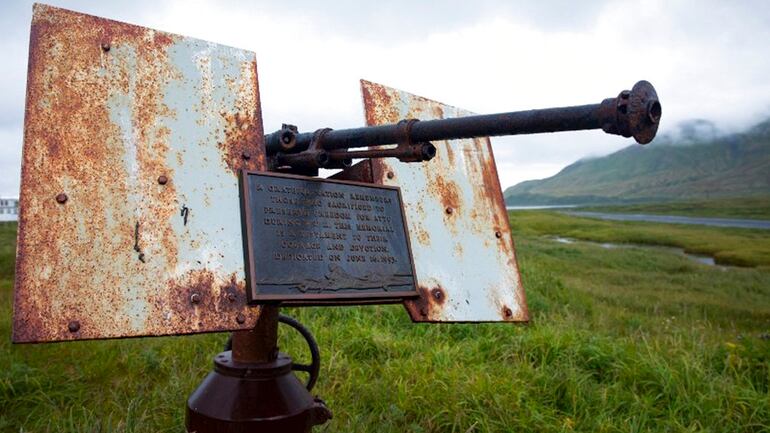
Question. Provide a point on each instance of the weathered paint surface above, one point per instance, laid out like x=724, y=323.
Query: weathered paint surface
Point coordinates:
x=458, y=226
x=130, y=217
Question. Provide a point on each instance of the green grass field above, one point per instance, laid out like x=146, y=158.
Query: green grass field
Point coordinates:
x=728, y=246
x=750, y=208
x=625, y=340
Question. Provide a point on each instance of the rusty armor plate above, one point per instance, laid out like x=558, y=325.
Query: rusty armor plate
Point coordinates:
x=130, y=214
x=458, y=225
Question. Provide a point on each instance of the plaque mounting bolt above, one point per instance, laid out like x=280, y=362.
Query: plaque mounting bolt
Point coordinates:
x=162, y=179
x=240, y=318
x=498, y=234
x=195, y=298
x=449, y=211
x=61, y=198
x=246, y=155
x=106, y=46
x=391, y=175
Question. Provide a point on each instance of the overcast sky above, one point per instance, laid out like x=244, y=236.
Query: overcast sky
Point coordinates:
x=707, y=60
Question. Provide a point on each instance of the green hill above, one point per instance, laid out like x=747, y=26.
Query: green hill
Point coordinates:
x=699, y=164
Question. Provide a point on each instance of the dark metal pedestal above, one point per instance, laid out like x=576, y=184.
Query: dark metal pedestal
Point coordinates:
x=253, y=389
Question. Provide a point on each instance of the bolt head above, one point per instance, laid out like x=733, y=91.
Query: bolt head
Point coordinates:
x=195, y=298
x=391, y=175
x=73, y=326
x=508, y=312
x=61, y=198
x=162, y=179
x=246, y=155
x=106, y=46
x=240, y=318
x=498, y=234
x=231, y=297
x=449, y=211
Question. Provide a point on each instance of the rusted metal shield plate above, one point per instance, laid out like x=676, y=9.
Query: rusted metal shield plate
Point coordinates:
x=130, y=216
x=458, y=226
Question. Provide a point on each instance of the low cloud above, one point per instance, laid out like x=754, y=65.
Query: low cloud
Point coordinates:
x=707, y=60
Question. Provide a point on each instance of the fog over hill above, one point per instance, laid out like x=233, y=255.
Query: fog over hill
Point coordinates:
x=696, y=161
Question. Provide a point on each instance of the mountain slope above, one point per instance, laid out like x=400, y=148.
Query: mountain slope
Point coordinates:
x=736, y=165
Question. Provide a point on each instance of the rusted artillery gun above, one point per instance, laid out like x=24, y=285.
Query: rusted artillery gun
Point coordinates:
x=225, y=264
x=633, y=113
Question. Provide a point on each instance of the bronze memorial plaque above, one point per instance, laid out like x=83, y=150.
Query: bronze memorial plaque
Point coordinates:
x=316, y=241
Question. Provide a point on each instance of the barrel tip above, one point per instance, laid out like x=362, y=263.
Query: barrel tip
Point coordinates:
x=643, y=112
x=633, y=113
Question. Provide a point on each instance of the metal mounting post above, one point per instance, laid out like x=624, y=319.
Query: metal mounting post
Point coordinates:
x=252, y=388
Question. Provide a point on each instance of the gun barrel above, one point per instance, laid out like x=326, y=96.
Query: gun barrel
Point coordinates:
x=514, y=123
x=635, y=113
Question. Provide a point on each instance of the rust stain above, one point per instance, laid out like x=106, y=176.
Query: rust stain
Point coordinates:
x=242, y=143
x=506, y=313
x=447, y=192
x=423, y=236
x=218, y=303
x=438, y=295
x=382, y=109
x=458, y=249
x=244, y=134
x=497, y=213
x=437, y=111
x=429, y=305
x=110, y=257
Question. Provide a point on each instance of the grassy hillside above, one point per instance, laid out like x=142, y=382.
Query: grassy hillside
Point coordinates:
x=736, y=165
x=620, y=341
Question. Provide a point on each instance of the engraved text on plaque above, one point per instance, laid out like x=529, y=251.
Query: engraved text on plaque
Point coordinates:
x=316, y=239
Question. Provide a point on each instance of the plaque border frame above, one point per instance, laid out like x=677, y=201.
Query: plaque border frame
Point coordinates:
x=316, y=299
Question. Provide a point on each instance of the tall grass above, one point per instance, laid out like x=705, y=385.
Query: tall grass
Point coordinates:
x=628, y=340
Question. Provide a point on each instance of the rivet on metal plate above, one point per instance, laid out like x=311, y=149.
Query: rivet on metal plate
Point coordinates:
x=390, y=175
x=449, y=211
x=240, y=318
x=498, y=234
x=61, y=198
x=105, y=46
x=73, y=326
x=162, y=180
x=246, y=155
x=437, y=294
x=195, y=298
